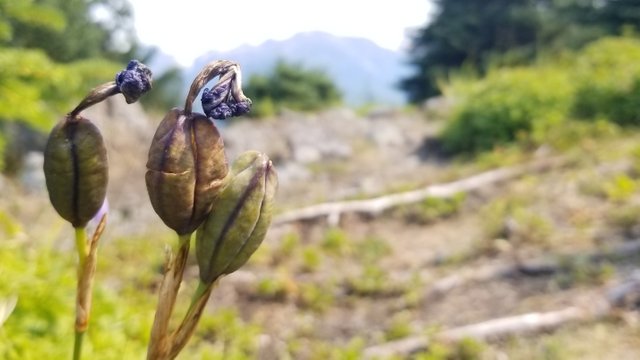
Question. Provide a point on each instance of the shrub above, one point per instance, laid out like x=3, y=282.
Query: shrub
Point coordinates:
x=293, y=87
x=507, y=105
x=607, y=75
x=336, y=242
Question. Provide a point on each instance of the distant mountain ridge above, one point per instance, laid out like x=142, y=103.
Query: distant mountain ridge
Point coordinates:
x=364, y=71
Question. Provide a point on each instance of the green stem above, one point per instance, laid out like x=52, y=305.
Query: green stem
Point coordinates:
x=81, y=244
x=81, y=316
x=197, y=295
x=77, y=346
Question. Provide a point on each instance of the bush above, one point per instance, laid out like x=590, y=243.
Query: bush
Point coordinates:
x=607, y=76
x=293, y=87
x=507, y=105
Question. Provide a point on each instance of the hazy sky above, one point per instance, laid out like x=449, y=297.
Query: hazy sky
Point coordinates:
x=186, y=29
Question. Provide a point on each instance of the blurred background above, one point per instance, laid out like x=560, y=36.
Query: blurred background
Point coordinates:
x=510, y=127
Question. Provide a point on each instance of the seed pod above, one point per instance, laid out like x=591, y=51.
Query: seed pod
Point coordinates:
x=239, y=219
x=75, y=169
x=186, y=169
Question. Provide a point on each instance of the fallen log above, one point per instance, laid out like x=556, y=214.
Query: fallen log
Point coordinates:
x=535, y=267
x=525, y=324
x=375, y=206
x=518, y=325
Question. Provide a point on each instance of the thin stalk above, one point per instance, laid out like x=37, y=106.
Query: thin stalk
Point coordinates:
x=87, y=260
x=160, y=340
x=81, y=245
x=183, y=333
x=81, y=314
x=96, y=95
x=77, y=346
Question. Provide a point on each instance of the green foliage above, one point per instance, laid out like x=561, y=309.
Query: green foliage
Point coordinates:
x=465, y=349
x=228, y=337
x=289, y=243
x=483, y=34
x=311, y=259
x=432, y=209
x=325, y=350
x=336, y=241
x=516, y=221
x=607, y=77
x=583, y=271
x=371, y=249
x=38, y=91
x=507, y=105
x=400, y=327
x=373, y=281
x=43, y=277
x=271, y=289
x=467, y=32
x=621, y=188
x=25, y=12
x=42, y=323
x=317, y=297
x=67, y=30
x=292, y=87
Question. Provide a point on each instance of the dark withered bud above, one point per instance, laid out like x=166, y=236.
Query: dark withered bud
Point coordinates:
x=134, y=81
x=239, y=219
x=186, y=169
x=75, y=169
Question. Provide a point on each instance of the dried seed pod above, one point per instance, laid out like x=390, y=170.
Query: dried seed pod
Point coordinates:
x=76, y=170
x=187, y=167
x=239, y=219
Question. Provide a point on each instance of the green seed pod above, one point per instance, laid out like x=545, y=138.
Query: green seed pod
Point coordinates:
x=186, y=169
x=76, y=170
x=240, y=217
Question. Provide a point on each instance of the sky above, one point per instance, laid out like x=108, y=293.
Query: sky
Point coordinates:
x=187, y=29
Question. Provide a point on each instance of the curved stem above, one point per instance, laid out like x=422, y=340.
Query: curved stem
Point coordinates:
x=160, y=342
x=96, y=95
x=226, y=68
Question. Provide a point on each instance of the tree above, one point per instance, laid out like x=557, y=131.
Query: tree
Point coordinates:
x=480, y=34
x=467, y=32
x=68, y=30
x=291, y=86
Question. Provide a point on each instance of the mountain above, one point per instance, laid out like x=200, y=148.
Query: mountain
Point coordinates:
x=364, y=71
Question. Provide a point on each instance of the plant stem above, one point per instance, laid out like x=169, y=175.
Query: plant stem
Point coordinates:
x=77, y=346
x=81, y=313
x=87, y=260
x=81, y=246
x=186, y=329
x=96, y=95
x=226, y=70
x=160, y=341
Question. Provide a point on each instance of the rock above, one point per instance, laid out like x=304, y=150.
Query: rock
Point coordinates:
x=32, y=175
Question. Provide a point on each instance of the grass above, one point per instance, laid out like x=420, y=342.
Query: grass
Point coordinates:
x=43, y=278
